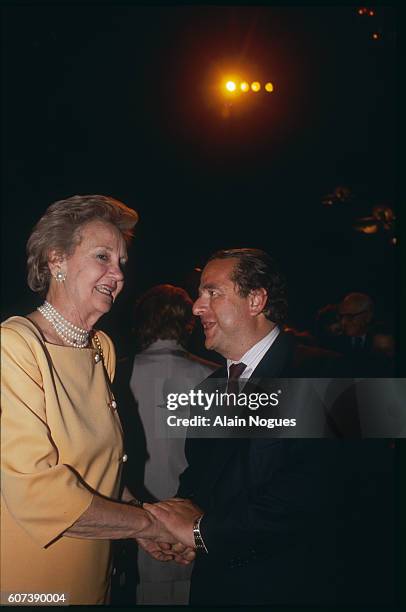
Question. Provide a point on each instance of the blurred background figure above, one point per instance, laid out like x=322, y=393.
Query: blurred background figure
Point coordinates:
x=356, y=314
x=368, y=345
x=327, y=327
x=164, y=322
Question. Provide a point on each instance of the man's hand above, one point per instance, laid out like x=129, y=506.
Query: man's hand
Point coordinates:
x=162, y=551
x=178, y=516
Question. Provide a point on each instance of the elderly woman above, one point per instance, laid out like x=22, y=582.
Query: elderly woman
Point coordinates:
x=62, y=450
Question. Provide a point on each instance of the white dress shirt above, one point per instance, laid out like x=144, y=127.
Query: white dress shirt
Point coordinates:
x=254, y=355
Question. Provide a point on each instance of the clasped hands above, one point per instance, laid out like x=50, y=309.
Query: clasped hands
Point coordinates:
x=173, y=538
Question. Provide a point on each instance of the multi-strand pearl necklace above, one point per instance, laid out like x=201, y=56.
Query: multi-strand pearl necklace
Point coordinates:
x=75, y=336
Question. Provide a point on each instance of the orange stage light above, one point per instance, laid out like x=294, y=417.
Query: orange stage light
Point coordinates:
x=256, y=86
x=269, y=87
x=244, y=86
x=231, y=86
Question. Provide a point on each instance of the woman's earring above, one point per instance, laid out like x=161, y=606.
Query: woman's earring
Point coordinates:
x=60, y=276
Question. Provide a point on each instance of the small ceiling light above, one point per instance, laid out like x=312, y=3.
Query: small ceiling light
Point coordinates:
x=256, y=86
x=230, y=86
x=244, y=86
x=269, y=87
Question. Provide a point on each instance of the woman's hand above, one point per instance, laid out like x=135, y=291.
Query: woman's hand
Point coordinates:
x=107, y=519
x=110, y=520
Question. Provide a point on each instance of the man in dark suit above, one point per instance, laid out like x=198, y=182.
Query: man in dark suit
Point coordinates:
x=276, y=520
x=362, y=357
x=356, y=314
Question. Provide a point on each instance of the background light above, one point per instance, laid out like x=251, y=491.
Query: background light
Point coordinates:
x=255, y=86
x=230, y=86
x=269, y=87
x=244, y=86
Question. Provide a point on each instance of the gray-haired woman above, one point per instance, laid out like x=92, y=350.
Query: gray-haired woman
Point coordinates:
x=62, y=449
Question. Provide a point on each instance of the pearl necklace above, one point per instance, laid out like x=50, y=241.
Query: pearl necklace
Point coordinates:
x=75, y=336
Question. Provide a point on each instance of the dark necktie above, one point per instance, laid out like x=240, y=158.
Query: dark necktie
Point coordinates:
x=234, y=373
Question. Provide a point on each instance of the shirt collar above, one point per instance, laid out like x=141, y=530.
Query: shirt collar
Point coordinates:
x=254, y=355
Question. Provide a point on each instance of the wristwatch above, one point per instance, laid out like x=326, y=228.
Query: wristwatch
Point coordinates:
x=200, y=546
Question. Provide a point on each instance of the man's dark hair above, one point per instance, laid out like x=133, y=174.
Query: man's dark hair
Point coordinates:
x=163, y=313
x=255, y=269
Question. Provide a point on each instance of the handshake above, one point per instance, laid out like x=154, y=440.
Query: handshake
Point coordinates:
x=170, y=535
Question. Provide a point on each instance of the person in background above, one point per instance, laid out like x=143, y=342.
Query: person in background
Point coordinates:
x=356, y=315
x=362, y=344
x=62, y=448
x=164, y=322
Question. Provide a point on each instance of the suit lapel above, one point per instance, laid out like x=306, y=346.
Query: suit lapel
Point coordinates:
x=216, y=450
x=276, y=360
x=273, y=365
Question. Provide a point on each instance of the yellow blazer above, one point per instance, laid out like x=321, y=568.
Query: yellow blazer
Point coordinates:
x=61, y=441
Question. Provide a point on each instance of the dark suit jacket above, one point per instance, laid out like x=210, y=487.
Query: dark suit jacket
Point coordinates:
x=286, y=520
x=364, y=362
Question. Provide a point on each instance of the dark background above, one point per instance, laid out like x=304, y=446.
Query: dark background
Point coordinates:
x=125, y=100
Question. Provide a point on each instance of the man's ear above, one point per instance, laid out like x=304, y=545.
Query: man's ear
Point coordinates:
x=257, y=300
x=56, y=262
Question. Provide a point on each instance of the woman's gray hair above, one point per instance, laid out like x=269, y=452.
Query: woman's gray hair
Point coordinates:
x=59, y=230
